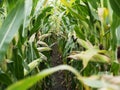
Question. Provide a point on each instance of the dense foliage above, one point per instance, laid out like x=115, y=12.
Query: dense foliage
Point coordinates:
x=85, y=34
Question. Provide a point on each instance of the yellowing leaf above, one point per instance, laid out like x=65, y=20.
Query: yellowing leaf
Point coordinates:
x=65, y=3
x=85, y=44
x=102, y=13
x=71, y=2
x=85, y=56
x=92, y=54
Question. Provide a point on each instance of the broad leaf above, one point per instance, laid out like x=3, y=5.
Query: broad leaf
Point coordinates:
x=92, y=54
x=115, y=4
x=18, y=67
x=10, y=27
x=94, y=83
x=118, y=35
x=85, y=56
x=28, y=82
x=28, y=8
x=39, y=5
x=5, y=79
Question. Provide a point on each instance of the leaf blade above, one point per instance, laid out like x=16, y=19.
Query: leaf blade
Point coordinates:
x=10, y=27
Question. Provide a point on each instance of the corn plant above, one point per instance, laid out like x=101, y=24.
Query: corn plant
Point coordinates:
x=85, y=34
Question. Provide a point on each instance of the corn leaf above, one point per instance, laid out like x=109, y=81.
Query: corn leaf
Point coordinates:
x=115, y=4
x=10, y=27
x=28, y=82
x=5, y=79
x=28, y=8
x=90, y=55
x=31, y=66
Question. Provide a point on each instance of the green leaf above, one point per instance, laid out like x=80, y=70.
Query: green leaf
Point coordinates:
x=39, y=5
x=79, y=32
x=94, y=3
x=114, y=26
x=92, y=10
x=72, y=11
x=28, y=82
x=18, y=67
x=115, y=4
x=10, y=27
x=1, y=3
x=118, y=35
x=115, y=68
x=11, y=4
x=5, y=79
x=41, y=16
x=28, y=8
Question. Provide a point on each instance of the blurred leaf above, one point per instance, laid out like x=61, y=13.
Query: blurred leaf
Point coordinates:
x=42, y=37
x=111, y=82
x=10, y=27
x=79, y=32
x=93, y=12
x=42, y=44
x=85, y=44
x=30, y=81
x=11, y=4
x=5, y=79
x=115, y=4
x=42, y=49
x=43, y=14
x=42, y=56
x=115, y=68
x=72, y=11
x=31, y=66
x=92, y=54
x=112, y=79
x=39, y=5
x=65, y=3
x=86, y=56
x=94, y=3
x=94, y=83
x=1, y=3
x=33, y=7
x=18, y=67
x=32, y=52
x=118, y=35
x=115, y=24
x=28, y=8
x=101, y=58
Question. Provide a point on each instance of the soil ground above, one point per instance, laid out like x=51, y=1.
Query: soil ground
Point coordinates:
x=58, y=78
